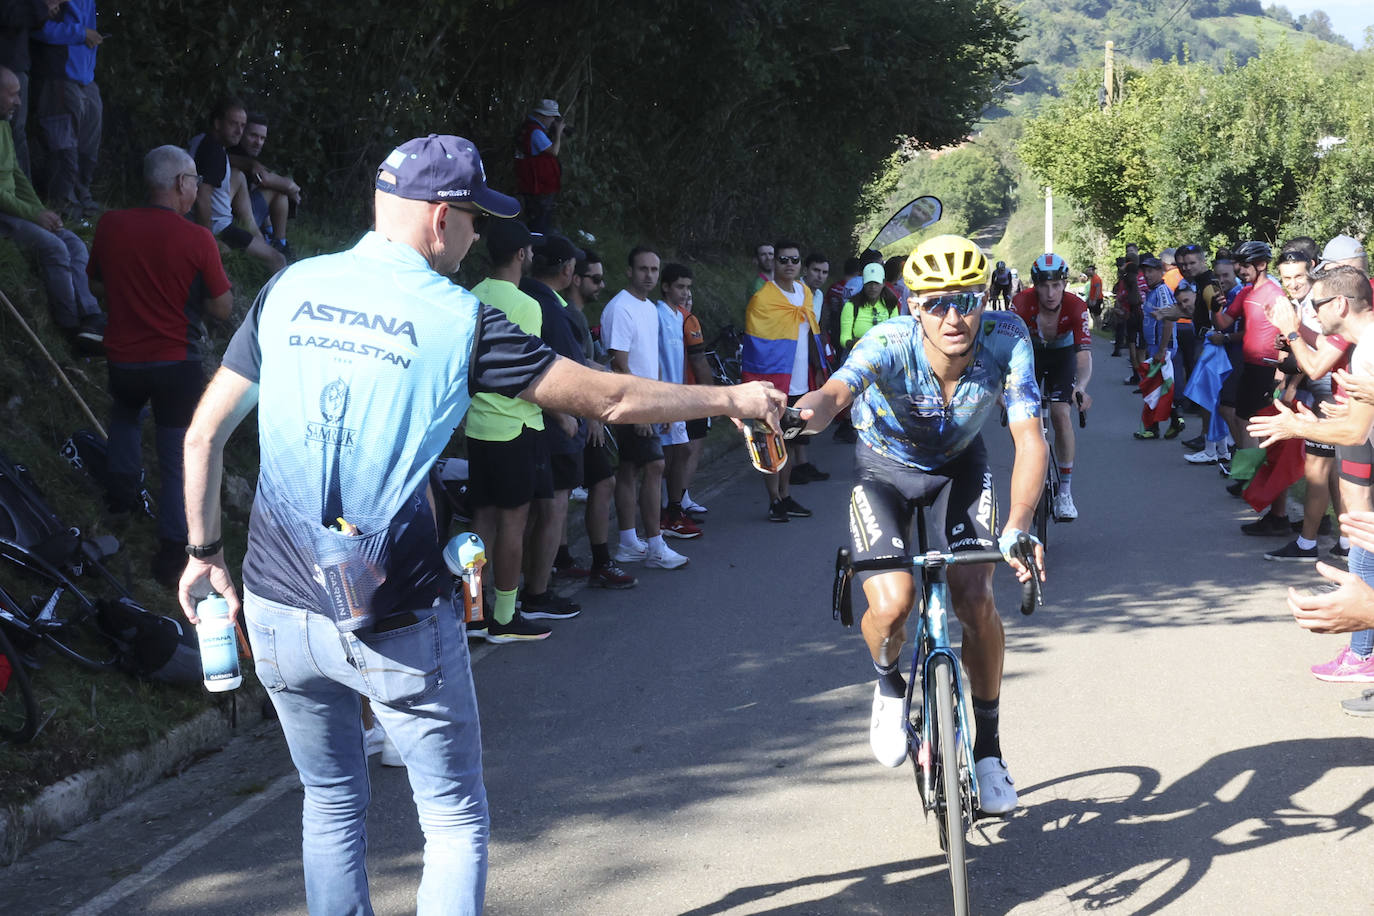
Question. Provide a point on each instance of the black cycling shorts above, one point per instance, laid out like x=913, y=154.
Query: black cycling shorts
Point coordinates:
x=507, y=475
x=634, y=448
x=1055, y=371
x=959, y=499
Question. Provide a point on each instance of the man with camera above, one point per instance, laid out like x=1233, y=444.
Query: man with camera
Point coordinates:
x=538, y=173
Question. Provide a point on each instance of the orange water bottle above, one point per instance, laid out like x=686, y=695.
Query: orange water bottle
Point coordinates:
x=465, y=555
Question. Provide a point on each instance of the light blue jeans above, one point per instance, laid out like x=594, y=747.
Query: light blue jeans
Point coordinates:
x=1361, y=563
x=419, y=680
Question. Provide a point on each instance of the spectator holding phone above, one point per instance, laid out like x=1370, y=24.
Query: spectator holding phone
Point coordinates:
x=538, y=173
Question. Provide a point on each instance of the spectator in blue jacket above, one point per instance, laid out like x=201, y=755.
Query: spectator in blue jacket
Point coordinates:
x=18, y=18
x=69, y=107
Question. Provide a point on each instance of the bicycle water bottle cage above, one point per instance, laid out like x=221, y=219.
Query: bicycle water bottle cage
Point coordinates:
x=842, y=606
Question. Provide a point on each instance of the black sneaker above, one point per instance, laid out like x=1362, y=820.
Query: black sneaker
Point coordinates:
x=1133, y=380
x=1268, y=526
x=1236, y=488
x=1291, y=552
x=777, y=512
x=1174, y=429
x=1195, y=444
x=548, y=606
x=801, y=475
x=518, y=630
x=1340, y=554
x=477, y=629
x=794, y=508
x=813, y=472
x=1224, y=467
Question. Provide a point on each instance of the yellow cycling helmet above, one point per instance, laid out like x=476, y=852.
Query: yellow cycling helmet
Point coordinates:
x=945, y=262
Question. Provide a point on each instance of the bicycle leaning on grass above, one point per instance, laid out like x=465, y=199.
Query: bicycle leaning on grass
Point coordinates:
x=938, y=723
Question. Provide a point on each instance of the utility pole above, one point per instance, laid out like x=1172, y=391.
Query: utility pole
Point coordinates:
x=1049, y=218
x=1108, y=76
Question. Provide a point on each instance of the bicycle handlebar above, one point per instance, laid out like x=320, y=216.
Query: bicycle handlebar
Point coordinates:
x=845, y=568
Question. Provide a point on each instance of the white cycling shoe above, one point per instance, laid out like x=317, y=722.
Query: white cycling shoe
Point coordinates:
x=996, y=789
x=1064, y=509
x=887, y=731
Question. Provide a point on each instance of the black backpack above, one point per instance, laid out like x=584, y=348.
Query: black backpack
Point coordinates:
x=152, y=647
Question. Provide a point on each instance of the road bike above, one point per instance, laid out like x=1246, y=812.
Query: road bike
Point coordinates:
x=60, y=615
x=723, y=356
x=938, y=724
x=1044, y=510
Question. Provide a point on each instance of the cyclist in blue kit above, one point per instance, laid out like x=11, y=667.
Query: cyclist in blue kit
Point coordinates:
x=922, y=386
x=361, y=364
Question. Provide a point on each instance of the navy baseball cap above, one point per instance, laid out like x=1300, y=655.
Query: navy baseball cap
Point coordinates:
x=556, y=248
x=1151, y=261
x=442, y=168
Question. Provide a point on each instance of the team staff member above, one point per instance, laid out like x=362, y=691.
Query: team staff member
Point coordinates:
x=364, y=393
x=922, y=386
x=1059, y=328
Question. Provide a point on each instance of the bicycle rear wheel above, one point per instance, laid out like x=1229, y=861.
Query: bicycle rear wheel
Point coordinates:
x=80, y=639
x=18, y=709
x=949, y=795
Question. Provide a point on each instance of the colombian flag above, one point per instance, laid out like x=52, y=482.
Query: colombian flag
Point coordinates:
x=770, y=335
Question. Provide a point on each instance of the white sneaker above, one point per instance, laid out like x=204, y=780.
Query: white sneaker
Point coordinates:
x=691, y=505
x=996, y=789
x=631, y=553
x=374, y=739
x=1064, y=509
x=1202, y=457
x=887, y=732
x=661, y=556
x=578, y=494
x=390, y=756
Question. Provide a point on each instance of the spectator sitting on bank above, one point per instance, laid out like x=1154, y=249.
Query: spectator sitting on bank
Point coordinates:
x=538, y=173
x=161, y=275
x=274, y=198
x=61, y=255
x=223, y=195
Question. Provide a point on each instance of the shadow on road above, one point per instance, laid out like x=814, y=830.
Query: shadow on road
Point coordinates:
x=1110, y=837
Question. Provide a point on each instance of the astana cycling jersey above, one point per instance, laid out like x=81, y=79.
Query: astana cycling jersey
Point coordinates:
x=1073, y=328
x=366, y=361
x=899, y=408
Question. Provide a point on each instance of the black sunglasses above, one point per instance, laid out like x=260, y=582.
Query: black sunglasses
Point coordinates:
x=479, y=217
x=1318, y=303
x=1294, y=257
x=784, y=259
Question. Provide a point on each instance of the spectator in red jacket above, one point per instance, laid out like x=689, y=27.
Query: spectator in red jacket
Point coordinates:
x=538, y=173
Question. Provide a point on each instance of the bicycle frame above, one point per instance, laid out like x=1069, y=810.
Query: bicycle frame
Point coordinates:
x=932, y=641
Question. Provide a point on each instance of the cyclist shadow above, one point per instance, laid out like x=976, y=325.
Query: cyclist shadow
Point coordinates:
x=1114, y=837
x=1111, y=837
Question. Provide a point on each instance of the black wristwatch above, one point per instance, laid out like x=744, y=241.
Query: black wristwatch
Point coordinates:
x=200, y=551
x=1293, y=335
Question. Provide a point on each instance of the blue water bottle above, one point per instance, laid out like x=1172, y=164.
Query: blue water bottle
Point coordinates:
x=219, y=653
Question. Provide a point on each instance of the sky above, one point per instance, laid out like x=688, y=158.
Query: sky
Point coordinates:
x=1349, y=17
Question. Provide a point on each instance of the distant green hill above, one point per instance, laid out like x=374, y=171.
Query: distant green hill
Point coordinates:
x=1064, y=35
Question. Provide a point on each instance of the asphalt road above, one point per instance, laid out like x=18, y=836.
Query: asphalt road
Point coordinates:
x=697, y=745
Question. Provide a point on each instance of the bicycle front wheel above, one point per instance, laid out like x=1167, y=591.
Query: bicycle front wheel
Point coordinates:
x=949, y=797
x=18, y=709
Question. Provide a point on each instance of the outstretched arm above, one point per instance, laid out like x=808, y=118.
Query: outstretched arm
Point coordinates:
x=825, y=402
x=619, y=398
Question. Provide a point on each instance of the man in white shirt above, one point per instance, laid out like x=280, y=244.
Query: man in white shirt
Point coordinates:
x=629, y=329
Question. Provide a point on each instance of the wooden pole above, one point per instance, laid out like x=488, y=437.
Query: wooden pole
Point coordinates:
x=1109, y=75
x=61, y=376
